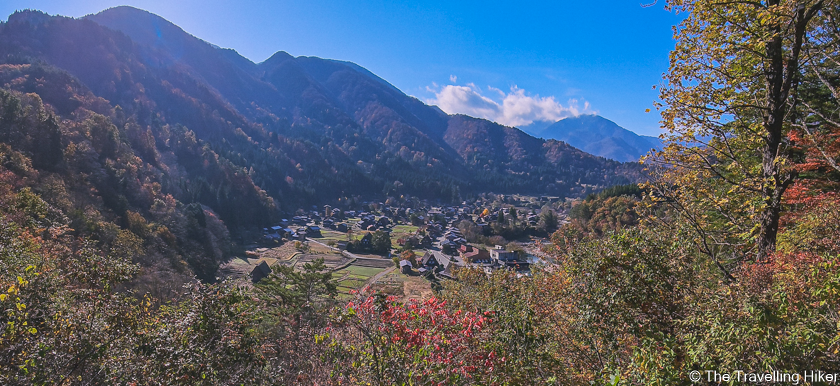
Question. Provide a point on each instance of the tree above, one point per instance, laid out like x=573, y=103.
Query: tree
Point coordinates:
x=731, y=90
x=381, y=243
x=817, y=126
x=302, y=293
x=382, y=341
x=548, y=219
x=410, y=256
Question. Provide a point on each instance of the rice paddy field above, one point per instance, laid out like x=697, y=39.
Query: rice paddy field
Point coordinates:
x=353, y=277
x=331, y=260
x=328, y=234
x=351, y=274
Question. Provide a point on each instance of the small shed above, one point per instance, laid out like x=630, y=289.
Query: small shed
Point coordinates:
x=405, y=267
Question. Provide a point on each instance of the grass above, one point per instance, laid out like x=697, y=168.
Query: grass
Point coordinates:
x=361, y=271
x=338, y=236
x=407, y=229
x=354, y=277
x=327, y=235
x=315, y=248
x=351, y=284
x=401, y=231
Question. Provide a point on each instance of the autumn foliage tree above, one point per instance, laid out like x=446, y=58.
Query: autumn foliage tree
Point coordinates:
x=378, y=340
x=730, y=101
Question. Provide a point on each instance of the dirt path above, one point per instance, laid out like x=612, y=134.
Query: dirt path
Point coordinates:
x=379, y=275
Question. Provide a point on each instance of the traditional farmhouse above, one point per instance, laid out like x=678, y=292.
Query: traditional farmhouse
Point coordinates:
x=313, y=231
x=440, y=263
x=367, y=240
x=260, y=272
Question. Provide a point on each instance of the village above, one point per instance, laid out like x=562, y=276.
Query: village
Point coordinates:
x=406, y=250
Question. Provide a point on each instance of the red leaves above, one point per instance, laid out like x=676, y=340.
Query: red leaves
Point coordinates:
x=441, y=341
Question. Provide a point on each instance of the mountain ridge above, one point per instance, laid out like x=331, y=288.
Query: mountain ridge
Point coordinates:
x=305, y=129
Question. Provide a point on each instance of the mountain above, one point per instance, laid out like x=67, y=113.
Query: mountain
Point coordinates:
x=162, y=116
x=597, y=135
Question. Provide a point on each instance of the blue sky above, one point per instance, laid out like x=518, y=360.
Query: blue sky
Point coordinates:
x=512, y=62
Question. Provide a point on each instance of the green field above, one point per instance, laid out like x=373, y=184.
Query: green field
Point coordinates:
x=353, y=278
x=405, y=229
x=360, y=271
x=327, y=234
x=351, y=283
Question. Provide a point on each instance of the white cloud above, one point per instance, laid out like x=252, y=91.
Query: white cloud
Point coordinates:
x=515, y=108
x=453, y=78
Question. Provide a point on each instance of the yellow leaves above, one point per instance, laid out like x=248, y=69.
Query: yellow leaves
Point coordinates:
x=321, y=338
x=3, y=297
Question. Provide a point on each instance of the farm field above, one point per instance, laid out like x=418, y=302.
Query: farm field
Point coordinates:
x=404, y=229
x=350, y=277
x=403, y=286
x=329, y=234
x=315, y=248
x=331, y=260
x=353, y=277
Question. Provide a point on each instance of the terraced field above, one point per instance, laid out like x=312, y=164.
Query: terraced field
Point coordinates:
x=374, y=263
x=354, y=277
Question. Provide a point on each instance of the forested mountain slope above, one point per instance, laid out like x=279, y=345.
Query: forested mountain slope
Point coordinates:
x=147, y=118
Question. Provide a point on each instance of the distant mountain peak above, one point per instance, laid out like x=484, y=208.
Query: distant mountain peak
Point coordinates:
x=596, y=135
x=30, y=16
x=275, y=59
x=146, y=28
x=129, y=12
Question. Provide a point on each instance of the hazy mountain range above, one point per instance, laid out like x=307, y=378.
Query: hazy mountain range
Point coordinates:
x=596, y=135
x=295, y=130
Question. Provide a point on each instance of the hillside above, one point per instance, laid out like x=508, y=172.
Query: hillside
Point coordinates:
x=160, y=116
x=327, y=91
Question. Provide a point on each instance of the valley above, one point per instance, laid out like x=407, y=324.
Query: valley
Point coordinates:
x=462, y=233
x=175, y=213
x=152, y=128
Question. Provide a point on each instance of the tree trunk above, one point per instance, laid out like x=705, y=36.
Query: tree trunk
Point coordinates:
x=775, y=83
x=768, y=230
x=781, y=78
